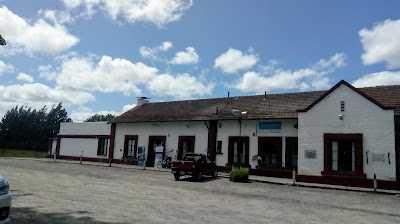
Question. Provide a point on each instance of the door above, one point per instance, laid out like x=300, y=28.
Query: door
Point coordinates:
x=154, y=141
x=270, y=151
x=185, y=145
x=238, y=151
x=291, y=153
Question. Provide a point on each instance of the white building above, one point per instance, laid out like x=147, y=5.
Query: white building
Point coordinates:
x=340, y=136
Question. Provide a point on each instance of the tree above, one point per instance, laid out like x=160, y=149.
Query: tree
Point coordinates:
x=54, y=118
x=2, y=41
x=100, y=117
x=23, y=127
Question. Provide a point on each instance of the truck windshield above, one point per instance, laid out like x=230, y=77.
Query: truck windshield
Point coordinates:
x=192, y=158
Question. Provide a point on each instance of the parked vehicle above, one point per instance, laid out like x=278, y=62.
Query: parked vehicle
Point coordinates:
x=5, y=200
x=195, y=165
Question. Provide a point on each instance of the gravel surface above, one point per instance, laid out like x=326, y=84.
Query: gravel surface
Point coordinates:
x=46, y=192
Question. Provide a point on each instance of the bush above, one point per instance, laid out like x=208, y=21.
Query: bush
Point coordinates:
x=239, y=175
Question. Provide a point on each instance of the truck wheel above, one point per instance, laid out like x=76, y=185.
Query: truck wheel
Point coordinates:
x=177, y=176
x=215, y=174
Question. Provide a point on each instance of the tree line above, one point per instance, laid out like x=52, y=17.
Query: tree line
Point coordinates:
x=27, y=128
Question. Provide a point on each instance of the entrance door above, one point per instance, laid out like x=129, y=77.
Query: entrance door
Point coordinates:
x=238, y=151
x=154, y=141
x=185, y=145
x=291, y=153
x=270, y=151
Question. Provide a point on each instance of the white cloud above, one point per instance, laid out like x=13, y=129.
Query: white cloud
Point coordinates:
x=153, y=11
x=147, y=52
x=56, y=17
x=5, y=67
x=234, y=60
x=189, y=56
x=107, y=75
x=25, y=78
x=382, y=44
x=46, y=72
x=39, y=37
x=302, y=79
x=82, y=113
x=378, y=79
x=165, y=46
x=182, y=86
x=151, y=53
x=37, y=95
x=127, y=107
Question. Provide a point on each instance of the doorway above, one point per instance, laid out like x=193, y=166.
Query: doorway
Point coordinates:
x=270, y=151
x=154, y=141
x=185, y=145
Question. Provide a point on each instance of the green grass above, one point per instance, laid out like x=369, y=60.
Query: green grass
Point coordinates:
x=22, y=153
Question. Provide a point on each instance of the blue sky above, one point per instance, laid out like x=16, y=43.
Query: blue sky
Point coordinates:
x=97, y=56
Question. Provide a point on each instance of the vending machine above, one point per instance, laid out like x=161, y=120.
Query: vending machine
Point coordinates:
x=158, y=156
x=141, y=155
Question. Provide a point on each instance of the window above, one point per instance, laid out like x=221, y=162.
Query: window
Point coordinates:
x=343, y=154
x=219, y=147
x=130, y=146
x=238, y=155
x=102, y=146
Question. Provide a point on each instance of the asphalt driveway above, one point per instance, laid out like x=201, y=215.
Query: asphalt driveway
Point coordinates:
x=46, y=192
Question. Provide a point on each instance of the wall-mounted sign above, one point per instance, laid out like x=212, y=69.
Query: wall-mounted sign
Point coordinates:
x=310, y=154
x=271, y=127
x=378, y=157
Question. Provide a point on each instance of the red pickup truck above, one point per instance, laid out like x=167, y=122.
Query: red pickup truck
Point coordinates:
x=195, y=165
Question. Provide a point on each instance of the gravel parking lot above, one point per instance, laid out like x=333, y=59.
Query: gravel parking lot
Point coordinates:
x=46, y=192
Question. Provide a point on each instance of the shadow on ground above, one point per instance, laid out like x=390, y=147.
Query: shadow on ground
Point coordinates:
x=32, y=216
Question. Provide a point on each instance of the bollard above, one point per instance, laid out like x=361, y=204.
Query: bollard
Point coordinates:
x=110, y=160
x=81, y=157
x=294, y=177
x=54, y=157
x=375, y=183
x=144, y=165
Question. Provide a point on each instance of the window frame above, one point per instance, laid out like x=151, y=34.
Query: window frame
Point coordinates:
x=278, y=141
x=358, y=145
x=126, y=145
x=243, y=139
x=103, y=150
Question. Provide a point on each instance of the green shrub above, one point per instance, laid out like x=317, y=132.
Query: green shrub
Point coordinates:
x=239, y=175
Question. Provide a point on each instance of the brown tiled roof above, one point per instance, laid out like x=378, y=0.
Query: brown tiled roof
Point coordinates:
x=257, y=107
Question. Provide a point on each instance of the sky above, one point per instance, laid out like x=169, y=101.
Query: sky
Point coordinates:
x=98, y=56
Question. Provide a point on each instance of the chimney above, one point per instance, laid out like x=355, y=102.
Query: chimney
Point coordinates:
x=228, y=94
x=142, y=100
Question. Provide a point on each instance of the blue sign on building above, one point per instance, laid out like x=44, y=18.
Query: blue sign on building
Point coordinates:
x=264, y=126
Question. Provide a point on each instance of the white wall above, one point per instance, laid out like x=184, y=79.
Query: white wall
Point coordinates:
x=360, y=116
x=249, y=129
x=171, y=130
x=74, y=147
x=86, y=128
